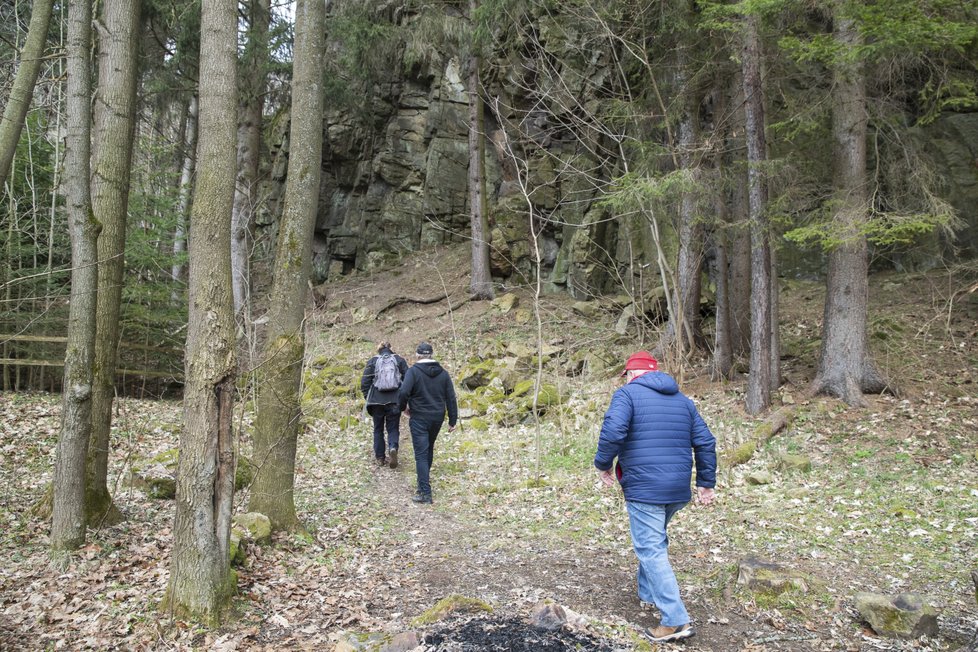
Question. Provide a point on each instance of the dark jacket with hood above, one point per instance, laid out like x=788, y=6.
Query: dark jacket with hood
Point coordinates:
x=427, y=389
x=375, y=396
x=655, y=432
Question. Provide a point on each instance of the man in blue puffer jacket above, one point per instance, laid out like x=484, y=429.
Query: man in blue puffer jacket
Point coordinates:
x=655, y=432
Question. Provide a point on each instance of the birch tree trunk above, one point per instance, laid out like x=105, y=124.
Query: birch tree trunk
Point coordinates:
x=845, y=369
x=68, y=509
x=19, y=100
x=250, y=107
x=759, y=383
x=280, y=375
x=200, y=578
x=115, y=119
x=481, y=284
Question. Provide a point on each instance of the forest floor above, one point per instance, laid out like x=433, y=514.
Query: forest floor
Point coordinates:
x=889, y=505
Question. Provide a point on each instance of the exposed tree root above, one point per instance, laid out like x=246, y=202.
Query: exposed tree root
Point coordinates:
x=402, y=300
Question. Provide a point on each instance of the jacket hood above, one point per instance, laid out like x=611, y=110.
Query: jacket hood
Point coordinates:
x=429, y=368
x=659, y=381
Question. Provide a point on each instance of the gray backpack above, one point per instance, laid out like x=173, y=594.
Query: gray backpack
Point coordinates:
x=387, y=376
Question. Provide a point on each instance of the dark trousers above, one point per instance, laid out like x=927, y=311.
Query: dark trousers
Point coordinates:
x=385, y=416
x=423, y=436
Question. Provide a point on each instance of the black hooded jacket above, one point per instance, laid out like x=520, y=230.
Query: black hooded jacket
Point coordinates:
x=427, y=389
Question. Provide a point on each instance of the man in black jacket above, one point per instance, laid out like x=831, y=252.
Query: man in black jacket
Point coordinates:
x=426, y=393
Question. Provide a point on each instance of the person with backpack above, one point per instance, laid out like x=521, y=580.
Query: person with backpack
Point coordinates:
x=380, y=383
x=427, y=393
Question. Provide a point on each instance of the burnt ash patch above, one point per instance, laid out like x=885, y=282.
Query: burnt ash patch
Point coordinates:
x=510, y=634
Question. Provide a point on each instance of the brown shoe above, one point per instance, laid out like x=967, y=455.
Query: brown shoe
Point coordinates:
x=392, y=457
x=381, y=461
x=663, y=634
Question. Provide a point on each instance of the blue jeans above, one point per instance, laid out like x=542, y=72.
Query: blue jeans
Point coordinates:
x=385, y=416
x=656, y=582
x=423, y=435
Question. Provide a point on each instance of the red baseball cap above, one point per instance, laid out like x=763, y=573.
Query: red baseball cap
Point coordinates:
x=642, y=360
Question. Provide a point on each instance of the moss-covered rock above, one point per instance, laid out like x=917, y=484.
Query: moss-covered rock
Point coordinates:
x=161, y=488
x=236, y=549
x=742, y=453
x=505, y=302
x=768, y=578
x=548, y=397
x=794, y=462
x=244, y=473
x=523, y=387
x=478, y=424
x=475, y=375
x=507, y=378
x=760, y=478
x=587, y=309
x=453, y=604
x=253, y=526
x=900, y=616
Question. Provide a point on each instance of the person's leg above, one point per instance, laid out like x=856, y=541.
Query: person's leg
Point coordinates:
x=419, y=439
x=393, y=428
x=433, y=430
x=393, y=420
x=380, y=449
x=656, y=580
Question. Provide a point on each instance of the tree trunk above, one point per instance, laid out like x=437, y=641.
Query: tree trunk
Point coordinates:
x=739, y=246
x=19, y=100
x=689, y=266
x=738, y=233
x=200, y=579
x=683, y=332
x=722, y=347
x=775, y=300
x=845, y=369
x=250, y=107
x=68, y=510
x=759, y=383
x=280, y=375
x=115, y=113
x=481, y=285
x=178, y=271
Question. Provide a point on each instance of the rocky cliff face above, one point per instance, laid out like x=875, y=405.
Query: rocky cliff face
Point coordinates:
x=395, y=181
x=394, y=177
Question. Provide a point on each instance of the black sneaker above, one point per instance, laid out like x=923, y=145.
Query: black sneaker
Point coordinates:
x=423, y=499
x=392, y=457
